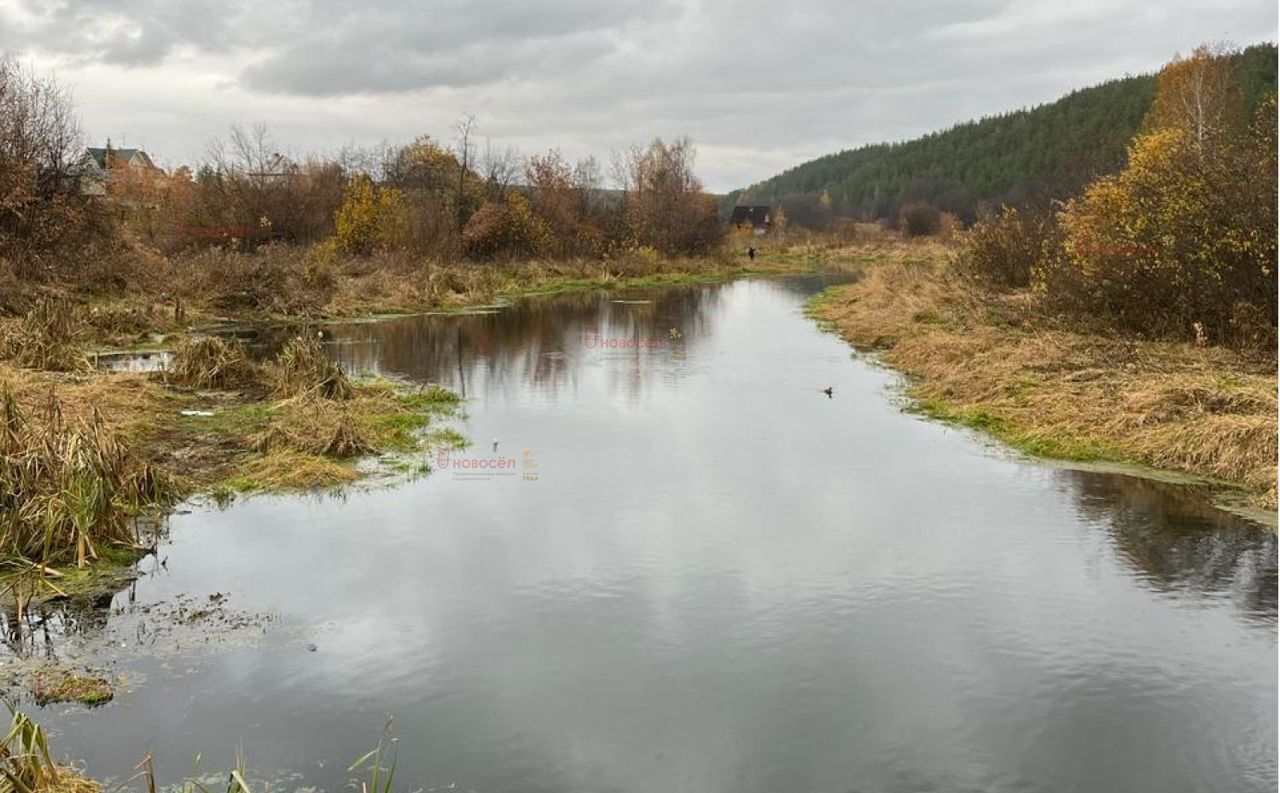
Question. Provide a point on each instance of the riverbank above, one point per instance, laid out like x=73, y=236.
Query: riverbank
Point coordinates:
x=290, y=284
x=214, y=438
x=994, y=363
x=227, y=438
x=208, y=420
x=483, y=561
x=94, y=462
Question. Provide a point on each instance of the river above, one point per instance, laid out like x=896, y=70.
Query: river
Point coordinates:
x=684, y=567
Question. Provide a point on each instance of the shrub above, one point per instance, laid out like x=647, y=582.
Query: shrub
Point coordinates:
x=45, y=223
x=918, y=219
x=1176, y=240
x=504, y=228
x=370, y=219
x=1002, y=249
x=1182, y=242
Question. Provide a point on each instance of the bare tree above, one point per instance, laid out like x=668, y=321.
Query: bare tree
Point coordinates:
x=587, y=179
x=463, y=129
x=500, y=167
x=38, y=126
x=261, y=194
x=41, y=208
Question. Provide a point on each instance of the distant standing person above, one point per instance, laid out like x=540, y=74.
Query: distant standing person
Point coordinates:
x=751, y=254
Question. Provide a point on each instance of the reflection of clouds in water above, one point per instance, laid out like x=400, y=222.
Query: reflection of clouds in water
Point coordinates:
x=722, y=581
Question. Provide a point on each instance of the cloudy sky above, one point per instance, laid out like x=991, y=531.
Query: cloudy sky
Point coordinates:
x=758, y=84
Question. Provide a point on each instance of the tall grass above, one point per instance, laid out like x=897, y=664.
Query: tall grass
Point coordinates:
x=211, y=362
x=26, y=766
x=303, y=369
x=47, y=337
x=66, y=490
x=380, y=763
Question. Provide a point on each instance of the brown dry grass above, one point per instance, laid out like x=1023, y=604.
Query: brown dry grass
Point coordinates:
x=206, y=362
x=290, y=470
x=46, y=337
x=69, y=780
x=250, y=440
x=317, y=282
x=27, y=765
x=993, y=362
x=398, y=283
x=281, y=281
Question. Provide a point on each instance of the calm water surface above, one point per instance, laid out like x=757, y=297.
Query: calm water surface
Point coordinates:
x=701, y=574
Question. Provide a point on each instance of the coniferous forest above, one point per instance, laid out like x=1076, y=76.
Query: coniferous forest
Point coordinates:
x=1023, y=157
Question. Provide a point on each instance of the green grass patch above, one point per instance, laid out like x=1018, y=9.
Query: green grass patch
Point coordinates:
x=61, y=686
x=1071, y=447
x=447, y=437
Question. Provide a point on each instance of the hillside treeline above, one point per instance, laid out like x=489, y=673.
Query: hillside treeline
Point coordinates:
x=1179, y=243
x=1032, y=156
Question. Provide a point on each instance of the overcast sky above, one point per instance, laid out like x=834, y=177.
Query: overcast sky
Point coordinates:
x=759, y=85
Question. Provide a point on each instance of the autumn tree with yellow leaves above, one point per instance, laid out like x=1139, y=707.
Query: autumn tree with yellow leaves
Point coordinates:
x=1182, y=242
x=370, y=218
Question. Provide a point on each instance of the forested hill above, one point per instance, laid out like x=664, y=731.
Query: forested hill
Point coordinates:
x=1049, y=151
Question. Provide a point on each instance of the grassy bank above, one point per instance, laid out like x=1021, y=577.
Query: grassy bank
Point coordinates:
x=389, y=289
x=995, y=363
x=90, y=461
x=250, y=433
x=289, y=283
x=286, y=283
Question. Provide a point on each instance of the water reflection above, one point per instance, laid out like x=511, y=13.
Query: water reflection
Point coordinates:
x=1178, y=541
x=133, y=361
x=40, y=630
x=723, y=580
x=535, y=344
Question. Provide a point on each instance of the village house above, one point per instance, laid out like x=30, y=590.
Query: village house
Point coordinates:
x=98, y=164
x=758, y=217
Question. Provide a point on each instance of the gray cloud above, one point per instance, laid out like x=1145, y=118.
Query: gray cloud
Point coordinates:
x=759, y=84
x=384, y=47
x=127, y=32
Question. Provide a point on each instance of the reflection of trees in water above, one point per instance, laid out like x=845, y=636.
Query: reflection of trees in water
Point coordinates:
x=1178, y=541
x=535, y=342
x=36, y=633
x=82, y=611
x=808, y=285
